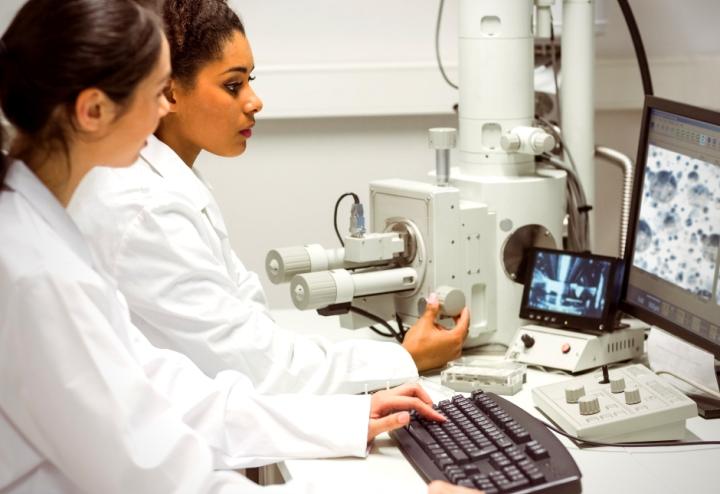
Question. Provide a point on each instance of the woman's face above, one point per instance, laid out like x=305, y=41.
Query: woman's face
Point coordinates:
x=218, y=112
x=128, y=133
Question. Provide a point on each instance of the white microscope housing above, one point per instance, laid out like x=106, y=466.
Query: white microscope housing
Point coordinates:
x=465, y=230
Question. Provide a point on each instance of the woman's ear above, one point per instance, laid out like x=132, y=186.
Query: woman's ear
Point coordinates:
x=171, y=91
x=94, y=111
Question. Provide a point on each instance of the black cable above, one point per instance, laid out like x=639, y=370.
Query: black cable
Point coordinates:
x=400, y=325
x=638, y=44
x=337, y=204
x=437, y=45
x=379, y=320
x=377, y=331
x=628, y=445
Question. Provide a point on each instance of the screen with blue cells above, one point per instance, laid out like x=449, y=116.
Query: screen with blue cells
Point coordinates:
x=678, y=233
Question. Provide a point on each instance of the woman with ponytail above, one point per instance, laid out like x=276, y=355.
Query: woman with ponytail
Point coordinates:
x=87, y=404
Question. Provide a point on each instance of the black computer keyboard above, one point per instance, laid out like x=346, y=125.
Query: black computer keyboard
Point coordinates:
x=490, y=444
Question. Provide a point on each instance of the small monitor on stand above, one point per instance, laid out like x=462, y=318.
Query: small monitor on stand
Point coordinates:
x=571, y=290
x=571, y=300
x=672, y=255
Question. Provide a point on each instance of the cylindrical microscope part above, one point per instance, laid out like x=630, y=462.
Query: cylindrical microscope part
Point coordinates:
x=578, y=93
x=495, y=38
x=442, y=139
x=318, y=290
x=442, y=167
x=451, y=299
x=284, y=263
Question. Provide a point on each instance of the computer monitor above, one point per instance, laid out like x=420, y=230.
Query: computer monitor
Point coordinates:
x=571, y=290
x=672, y=256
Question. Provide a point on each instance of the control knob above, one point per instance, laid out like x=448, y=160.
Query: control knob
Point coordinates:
x=617, y=385
x=527, y=340
x=632, y=395
x=574, y=393
x=589, y=405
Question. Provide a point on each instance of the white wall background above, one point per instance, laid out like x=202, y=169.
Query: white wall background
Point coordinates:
x=351, y=87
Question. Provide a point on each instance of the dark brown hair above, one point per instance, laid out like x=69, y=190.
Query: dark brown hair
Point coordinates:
x=54, y=50
x=197, y=31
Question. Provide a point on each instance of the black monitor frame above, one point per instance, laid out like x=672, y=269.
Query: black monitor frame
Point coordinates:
x=683, y=110
x=605, y=322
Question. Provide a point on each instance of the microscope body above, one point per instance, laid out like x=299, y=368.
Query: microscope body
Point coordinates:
x=464, y=230
x=466, y=244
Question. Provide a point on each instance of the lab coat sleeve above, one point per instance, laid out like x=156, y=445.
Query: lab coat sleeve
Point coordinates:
x=182, y=296
x=70, y=383
x=246, y=429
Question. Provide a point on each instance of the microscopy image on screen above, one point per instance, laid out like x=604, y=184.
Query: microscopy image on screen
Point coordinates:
x=567, y=284
x=679, y=230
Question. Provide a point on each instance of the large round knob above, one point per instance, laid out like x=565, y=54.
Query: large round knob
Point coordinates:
x=442, y=138
x=632, y=395
x=542, y=142
x=573, y=393
x=313, y=290
x=510, y=142
x=589, y=405
x=617, y=384
x=284, y=263
x=452, y=300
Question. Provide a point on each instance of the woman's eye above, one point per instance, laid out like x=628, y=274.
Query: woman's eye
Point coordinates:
x=252, y=78
x=233, y=88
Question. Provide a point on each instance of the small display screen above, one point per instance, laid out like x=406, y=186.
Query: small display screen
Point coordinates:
x=568, y=284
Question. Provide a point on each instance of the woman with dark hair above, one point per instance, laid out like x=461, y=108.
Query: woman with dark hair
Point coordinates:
x=157, y=230
x=86, y=403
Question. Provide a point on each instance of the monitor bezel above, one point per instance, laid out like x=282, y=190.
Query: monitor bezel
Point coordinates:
x=683, y=110
x=605, y=322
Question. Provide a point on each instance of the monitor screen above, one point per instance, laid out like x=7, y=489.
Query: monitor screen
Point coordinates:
x=674, y=231
x=569, y=289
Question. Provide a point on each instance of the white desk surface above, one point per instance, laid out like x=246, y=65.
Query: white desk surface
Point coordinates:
x=681, y=470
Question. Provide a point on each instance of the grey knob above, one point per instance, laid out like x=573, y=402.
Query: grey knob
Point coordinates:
x=542, y=142
x=632, y=395
x=442, y=138
x=452, y=300
x=574, y=393
x=313, y=290
x=589, y=405
x=617, y=384
x=282, y=264
x=510, y=142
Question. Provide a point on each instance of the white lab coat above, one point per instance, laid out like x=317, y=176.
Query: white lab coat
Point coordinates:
x=88, y=405
x=157, y=230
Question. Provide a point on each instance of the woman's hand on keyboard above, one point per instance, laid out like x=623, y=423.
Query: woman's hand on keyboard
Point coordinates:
x=430, y=344
x=389, y=409
x=439, y=487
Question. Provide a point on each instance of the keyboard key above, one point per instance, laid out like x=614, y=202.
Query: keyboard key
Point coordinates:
x=515, y=485
x=420, y=434
x=458, y=455
x=537, y=453
x=482, y=453
x=535, y=477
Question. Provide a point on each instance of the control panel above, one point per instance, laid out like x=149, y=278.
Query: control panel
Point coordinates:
x=634, y=405
x=576, y=351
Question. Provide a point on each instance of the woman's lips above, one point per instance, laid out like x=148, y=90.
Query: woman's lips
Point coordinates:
x=247, y=133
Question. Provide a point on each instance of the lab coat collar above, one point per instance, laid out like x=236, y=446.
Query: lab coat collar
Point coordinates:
x=22, y=180
x=166, y=163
